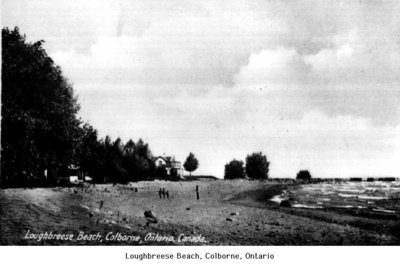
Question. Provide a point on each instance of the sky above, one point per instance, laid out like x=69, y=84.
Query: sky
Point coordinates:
x=311, y=84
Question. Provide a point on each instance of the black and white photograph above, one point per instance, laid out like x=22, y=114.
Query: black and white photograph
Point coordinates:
x=200, y=123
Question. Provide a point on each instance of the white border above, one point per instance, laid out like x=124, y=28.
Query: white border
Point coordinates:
x=114, y=258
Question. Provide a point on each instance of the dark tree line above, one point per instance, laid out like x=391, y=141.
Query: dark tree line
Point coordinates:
x=114, y=161
x=41, y=134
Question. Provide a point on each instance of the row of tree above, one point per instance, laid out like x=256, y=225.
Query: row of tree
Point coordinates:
x=256, y=167
x=114, y=161
x=42, y=136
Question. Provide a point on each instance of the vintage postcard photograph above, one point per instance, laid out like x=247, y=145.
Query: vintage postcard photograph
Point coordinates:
x=200, y=123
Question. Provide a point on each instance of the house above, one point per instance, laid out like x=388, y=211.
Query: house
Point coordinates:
x=172, y=167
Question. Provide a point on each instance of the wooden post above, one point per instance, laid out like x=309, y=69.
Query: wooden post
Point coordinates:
x=197, y=192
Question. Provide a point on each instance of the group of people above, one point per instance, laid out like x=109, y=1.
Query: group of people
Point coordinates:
x=162, y=193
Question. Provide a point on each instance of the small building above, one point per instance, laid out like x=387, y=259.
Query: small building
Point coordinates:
x=172, y=167
x=76, y=175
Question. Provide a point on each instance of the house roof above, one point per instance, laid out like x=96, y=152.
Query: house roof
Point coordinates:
x=165, y=158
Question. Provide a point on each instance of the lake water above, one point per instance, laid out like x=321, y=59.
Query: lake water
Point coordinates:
x=377, y=196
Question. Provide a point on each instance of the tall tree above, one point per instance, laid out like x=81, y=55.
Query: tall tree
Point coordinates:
x=91, y=153
x=191, y=163
x=40, y=128
x=144, y=166
x=257, y=166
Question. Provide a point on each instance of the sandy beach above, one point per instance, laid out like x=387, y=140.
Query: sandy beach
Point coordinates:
x=227, y=213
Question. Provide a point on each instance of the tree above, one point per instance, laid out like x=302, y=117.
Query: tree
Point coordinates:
x=234, y=170
x=114, y=170
x=144, y=166
x=40, y=128
x=303, y=175
x=91, y=153
x=257, y=166
x=191, y=163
